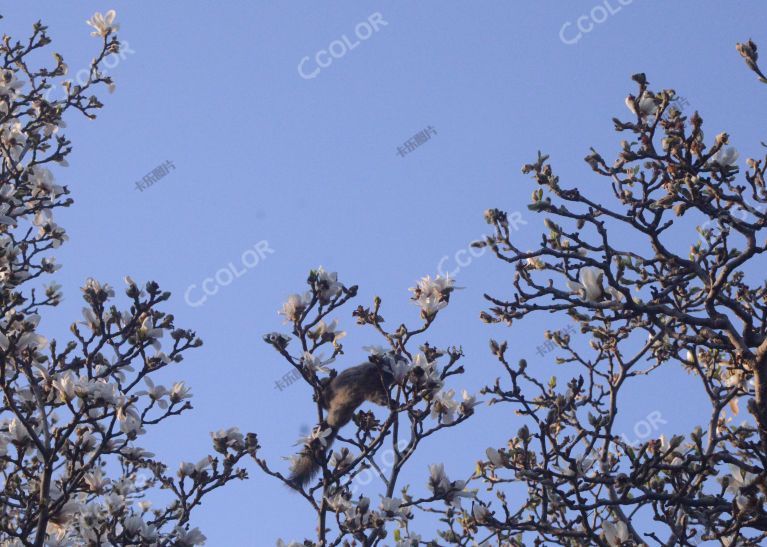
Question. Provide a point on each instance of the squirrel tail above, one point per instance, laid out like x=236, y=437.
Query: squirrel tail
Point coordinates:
x=308, y=462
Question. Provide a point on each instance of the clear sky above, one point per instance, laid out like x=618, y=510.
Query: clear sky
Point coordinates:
x=310, y=165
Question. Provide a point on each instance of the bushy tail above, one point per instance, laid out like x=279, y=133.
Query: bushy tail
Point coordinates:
x=308, y=462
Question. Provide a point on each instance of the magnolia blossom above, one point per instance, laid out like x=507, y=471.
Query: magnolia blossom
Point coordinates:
x=328, y=332
x=616, y=534
x=727, y=156
x=295, y=306
x=646, y=103
x=227, y=438
x=9, y=85
x=590, y=286
x=737, y=480
x=92, y=321
x=582, y=466
x=468, y=403
x=179, y=391
x=18, y=432
x=315, y=362
x=130, y=420
x=392, y=507
x=187, y=469
x=341, y=459
x=494, y=457
x=430, y=376
x=319, y=435
x=328, y=286
x=440, y=485
x=412, y=540
x=431, y=295
x=148, y=331
x=444, y=407
x=480, y=513
x=103, y=24
x=96, y=480
x=156, y=393
x=399, y=368
x=5, y=218
x=189, y=538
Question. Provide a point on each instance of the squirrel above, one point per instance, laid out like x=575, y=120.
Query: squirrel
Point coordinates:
x=341, y=396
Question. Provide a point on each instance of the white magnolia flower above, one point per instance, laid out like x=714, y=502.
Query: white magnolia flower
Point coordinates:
x=494, y=457
x=114, y=503
x=130, y=420
x=92, y=321
x=133, y=525
x=95, y=286
x=480, y=513
x=376, y=350
x=315, y=362
x=646, y=103
x=295, y=306
x=438, y=287
x=738, y=479
x=327, y=285
x=156, y=393
x=412, y=540
x=468, y=403
x=338, y=502
x=64, y=384
x=440, y=485
x=400, y=369
x=9, y=85
x=582, y=466
x=186, y=469
x=18, y=432
x=727, y=156
x=281, y=543
x=103, y=24
x=32, y=340
x=431, y=295
x=189, y=538
x=179, y=391
x=96, y=480
x=341, y=459
x=5, y=212
x=590, y=286
x=392, y=507
x=328, y=332
x=318, y=434
x=148, y=331
x=63, y=516
x=444, y=407
x=615, y=533
x=226, y=438
x=430, y=305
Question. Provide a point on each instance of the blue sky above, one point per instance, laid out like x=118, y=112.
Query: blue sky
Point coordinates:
x=311, y=167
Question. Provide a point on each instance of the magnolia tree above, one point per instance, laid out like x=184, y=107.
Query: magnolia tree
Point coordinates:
x=72, y=412
x=646, y=295
x=407, y=376
x=662, y=269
